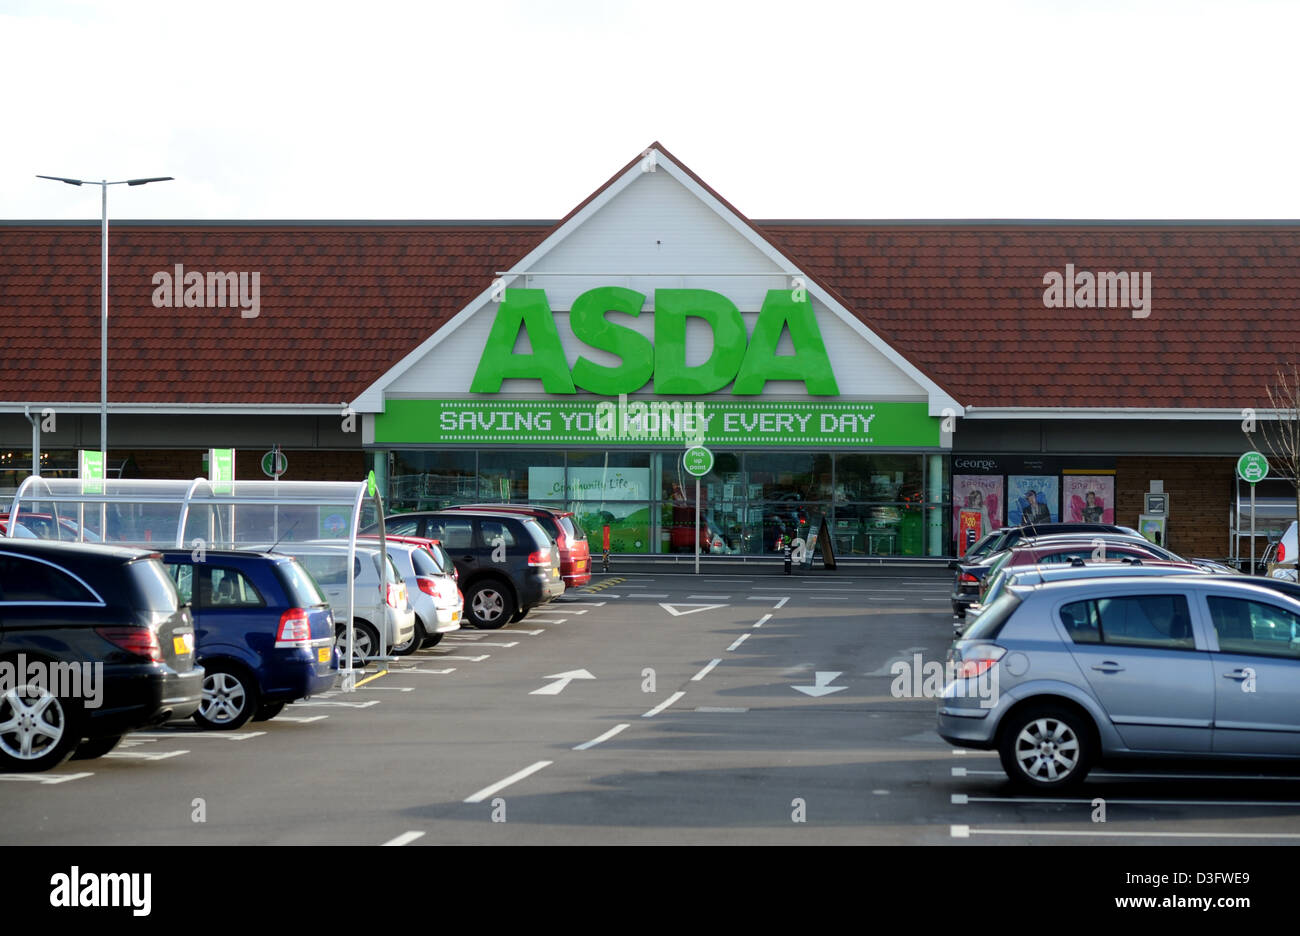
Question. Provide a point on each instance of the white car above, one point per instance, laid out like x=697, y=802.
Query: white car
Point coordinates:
x=388, y=608
x=433, y=593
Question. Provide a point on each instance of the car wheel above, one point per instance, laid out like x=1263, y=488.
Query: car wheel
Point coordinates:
x=1046, y=748
x=37, y=730
x=268, y=711
x=433, y=640
x=96, y=747
x=489, y=606
x=403, y=649
x=364, y=641
x=230, y=697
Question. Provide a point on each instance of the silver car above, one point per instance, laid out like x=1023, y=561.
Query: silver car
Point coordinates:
x=1060, y=676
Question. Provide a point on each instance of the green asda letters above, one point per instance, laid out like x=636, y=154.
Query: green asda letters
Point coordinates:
x=750, y=364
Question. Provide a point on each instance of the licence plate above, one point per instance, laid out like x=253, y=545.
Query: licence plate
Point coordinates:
x=183, y=644
x=323, y=654
x=580, y=564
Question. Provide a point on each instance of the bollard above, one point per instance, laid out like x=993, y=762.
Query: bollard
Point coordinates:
x=605, y=538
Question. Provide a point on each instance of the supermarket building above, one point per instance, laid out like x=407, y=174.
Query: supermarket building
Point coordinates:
x=911, y=382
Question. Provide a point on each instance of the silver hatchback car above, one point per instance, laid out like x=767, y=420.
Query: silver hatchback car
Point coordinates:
x=1060, y=676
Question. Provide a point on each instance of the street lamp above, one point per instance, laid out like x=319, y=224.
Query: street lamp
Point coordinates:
x=103, y=287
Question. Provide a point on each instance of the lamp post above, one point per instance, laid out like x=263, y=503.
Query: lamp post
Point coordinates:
x=103, y=288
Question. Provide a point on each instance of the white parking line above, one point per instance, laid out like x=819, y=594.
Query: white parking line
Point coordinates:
x=663, y=705
x=738, y=641
x=961, y=799
x=605, y=737
x=648, y=595
x=196, y=734
x=557, y=611
x=340, y=704
x=427, y=672
x=594, y=604
x=704, y=672
x=533, y=633
x=781, y=604
x=141, y=755
x=962, y=831
x=819, y=598
x=405, y=838
x=301, y=720
x=484, y=643
x=47, y=781
x=763, y=620
x=711, y=597
x=500, y=785
x=474, y=659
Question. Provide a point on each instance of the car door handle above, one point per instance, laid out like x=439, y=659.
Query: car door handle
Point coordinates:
x=1237, y=674
x=1108, y=667
x=467, y=558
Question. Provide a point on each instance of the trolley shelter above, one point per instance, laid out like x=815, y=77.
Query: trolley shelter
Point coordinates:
x=203, y=514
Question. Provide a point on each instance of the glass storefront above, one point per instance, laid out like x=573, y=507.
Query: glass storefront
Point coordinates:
x=875, y=504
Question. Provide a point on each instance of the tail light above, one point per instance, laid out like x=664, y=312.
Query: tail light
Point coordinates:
x=139, y=641
x=539, y=558
x=394, y=596
x=295, y=629
x=427, y=585
x=561, y=541
x=967, y=577
x=1281, y=552
x=977, y=660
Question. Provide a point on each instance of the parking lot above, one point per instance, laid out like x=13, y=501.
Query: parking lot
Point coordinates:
x=643, y=708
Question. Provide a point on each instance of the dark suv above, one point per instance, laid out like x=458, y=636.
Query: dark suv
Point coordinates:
x=265, y=633
x=507, y=563
x=94, y=643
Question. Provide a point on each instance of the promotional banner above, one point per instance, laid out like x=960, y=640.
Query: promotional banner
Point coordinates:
x=1088, y=498
x=657, y=422
x=589, y=484
x=981, y=494
x=1033, y=499
x=968, y=530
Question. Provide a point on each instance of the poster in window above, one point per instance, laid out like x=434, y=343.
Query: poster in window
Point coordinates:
x=981, y=494
x=1088, y=498
x=1032, y=499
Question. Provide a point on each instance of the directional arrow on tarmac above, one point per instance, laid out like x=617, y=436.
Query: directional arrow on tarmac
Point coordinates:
x=691, y=607
x=821, y=688
x=562, y=680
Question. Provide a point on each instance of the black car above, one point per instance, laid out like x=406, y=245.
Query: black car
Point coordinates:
x=507, y=563
x=94, y=643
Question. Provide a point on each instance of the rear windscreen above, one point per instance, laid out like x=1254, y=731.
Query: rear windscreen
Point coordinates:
x=153, y=586
x=301, y=588
x=541, y=539
x=989, y=624
x=425, y=564
x=572, y=529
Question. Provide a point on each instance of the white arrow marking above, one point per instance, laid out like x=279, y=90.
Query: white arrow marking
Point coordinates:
x=821, y=689
x=672, y=608
x=561, y=680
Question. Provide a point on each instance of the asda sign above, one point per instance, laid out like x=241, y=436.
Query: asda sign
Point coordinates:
x=747, y=363
x=720, y=421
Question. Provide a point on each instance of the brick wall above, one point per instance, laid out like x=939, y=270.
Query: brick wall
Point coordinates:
x=1200, y=498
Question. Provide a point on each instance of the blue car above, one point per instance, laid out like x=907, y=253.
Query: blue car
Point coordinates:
x=264, y=633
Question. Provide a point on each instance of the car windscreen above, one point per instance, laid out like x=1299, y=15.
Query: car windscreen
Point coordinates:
x=153, y=586
x=301, y=588
x=330, y=570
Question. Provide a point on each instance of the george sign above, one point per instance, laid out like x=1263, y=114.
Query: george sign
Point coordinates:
x=275, y=464
x=748, y=361
x=655, y=422
x=698, y=461
x=1252, y=467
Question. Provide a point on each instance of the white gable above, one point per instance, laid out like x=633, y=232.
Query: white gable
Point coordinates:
x=648, y=230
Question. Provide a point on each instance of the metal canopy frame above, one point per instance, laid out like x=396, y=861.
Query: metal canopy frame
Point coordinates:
x=201, y=498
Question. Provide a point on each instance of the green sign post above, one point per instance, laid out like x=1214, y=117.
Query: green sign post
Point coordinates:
x=274, y=464
x=698, y=461
x=1253, y=468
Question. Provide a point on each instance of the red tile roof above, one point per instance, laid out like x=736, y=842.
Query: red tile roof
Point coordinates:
x=341, y=302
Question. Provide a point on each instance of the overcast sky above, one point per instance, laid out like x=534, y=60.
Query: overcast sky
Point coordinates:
x=517, y=109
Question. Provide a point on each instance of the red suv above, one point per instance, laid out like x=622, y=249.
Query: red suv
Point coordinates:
x=563, y=527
